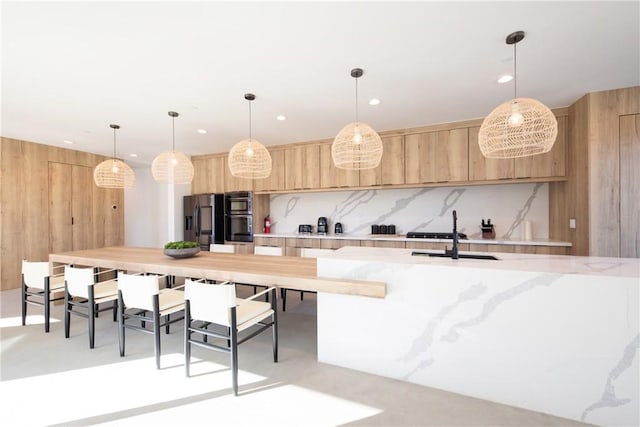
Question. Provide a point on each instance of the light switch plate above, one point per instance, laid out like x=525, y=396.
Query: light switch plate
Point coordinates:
x=572, y=223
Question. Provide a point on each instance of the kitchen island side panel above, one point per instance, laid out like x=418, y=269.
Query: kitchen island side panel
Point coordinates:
x=562, y=344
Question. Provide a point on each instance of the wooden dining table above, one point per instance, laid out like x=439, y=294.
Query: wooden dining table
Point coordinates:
x=298, y=273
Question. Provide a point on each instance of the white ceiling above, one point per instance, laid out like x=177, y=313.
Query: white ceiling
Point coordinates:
x=70, y=69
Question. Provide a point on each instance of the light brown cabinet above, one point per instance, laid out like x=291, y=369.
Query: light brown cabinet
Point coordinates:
x=551, y=164
x=441, y=156
x=209, y=175
x=302, y=167
x=337, y=243
x=293, y=246
x=391, y=168
x=483, y=169
x=276, y=180
x=232, y=183
x=382, y=243
x=333, y=177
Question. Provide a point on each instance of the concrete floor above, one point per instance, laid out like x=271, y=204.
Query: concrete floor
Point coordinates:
x=68, y=384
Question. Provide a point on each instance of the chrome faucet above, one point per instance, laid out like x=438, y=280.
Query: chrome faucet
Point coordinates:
x=454, y=249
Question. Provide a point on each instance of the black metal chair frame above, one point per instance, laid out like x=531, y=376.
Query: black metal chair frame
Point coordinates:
x=139, y=314
x=195, y=328
x=283, y=296
x=85, y=307
x=28, y=293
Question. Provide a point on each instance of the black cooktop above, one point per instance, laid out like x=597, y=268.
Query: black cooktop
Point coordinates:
x=433, y=235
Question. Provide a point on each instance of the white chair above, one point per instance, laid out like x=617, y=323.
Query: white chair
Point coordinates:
x=267, y=250
x=139, y=294
x=222, y=249
x=217, y=304
x=38, y=288
x=83, y=295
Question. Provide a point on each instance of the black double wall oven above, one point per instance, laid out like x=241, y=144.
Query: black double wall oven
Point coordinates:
x=239, y=216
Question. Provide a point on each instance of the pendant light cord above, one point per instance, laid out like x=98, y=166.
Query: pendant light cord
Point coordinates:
x=249, y=121
x=356, y=100
x=114, y=143
x=173, y=121
x=515, y=76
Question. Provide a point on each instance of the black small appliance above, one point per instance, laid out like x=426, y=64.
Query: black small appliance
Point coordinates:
x=338, y=228
x=322, y=225
x=305, y=228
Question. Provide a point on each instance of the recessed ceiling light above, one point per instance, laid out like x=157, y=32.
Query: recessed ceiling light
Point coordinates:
x=202, y=131
x=505, y=78
x=281, y=117
x=66, y=141
x=374, y=101
x=133, y=155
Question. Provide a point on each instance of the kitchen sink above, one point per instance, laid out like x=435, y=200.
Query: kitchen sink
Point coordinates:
x=448, y=255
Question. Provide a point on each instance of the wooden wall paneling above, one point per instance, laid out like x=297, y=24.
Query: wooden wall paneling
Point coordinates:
x=548, y=164
x=575, y=193
x=82, y=207
x=483, y=169
x=630, y=186
x=108, y=217
x=261, y=207
x=34, y=204
x=60, y=207
x=333, y=177
x=604, y=175
x=12, y=247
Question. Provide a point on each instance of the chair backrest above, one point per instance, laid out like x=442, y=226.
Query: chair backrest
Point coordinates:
x=34, y=273
x=78, y=280
x=209, y=302
x=138, y=290
x=226, y=249
x=314, y=253
x=267, y=250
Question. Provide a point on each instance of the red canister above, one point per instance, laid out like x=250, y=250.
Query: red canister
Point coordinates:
x=267, y=225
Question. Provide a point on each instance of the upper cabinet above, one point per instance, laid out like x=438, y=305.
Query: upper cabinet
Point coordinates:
x=432, y=155
x=275, y=181
x=441, y=156
x=302, y=167
x=333, y=177
x=231, y=183
x=390, y=171
x=483, y=169
x=551, y=164
x=209, y=174
x=548, y=165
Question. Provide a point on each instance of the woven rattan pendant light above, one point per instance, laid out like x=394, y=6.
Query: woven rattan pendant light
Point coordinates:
x=114, y=173
x=249, y=158
x=520, y=127
x=172, y=167
x=357, y=146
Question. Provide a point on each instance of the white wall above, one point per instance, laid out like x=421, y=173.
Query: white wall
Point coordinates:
x=153, y=211
x=419, y=209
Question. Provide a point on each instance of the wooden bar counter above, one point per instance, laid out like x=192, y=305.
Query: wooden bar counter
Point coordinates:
x=287, y=272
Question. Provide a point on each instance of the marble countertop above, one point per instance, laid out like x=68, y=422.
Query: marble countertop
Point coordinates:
x=559, y=264
x=403, y=238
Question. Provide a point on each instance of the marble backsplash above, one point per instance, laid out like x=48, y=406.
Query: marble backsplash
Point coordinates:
x=419, y=209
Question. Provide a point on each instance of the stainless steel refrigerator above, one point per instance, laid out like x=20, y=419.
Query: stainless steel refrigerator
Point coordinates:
x=204, y=219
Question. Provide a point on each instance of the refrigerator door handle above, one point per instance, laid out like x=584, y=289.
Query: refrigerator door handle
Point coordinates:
x=196, y=220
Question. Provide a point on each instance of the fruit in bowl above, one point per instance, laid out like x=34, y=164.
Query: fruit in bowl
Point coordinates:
x=181, y=249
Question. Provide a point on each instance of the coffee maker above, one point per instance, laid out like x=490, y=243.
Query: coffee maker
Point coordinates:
x=323, y=227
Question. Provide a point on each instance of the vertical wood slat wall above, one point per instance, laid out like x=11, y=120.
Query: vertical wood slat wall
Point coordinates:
x=25, y=204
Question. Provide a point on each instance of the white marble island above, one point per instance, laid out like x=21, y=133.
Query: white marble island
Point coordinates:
x=554, y=334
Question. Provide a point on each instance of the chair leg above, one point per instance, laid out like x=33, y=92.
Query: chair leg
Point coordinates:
x=283, y=291
x=187, y=337
x=67, y=313
x=121, y=323
x=301, y=295
x=115, y=310
x=47, y=301
x=168, y=324
x=92, y=317
x=156, y=329
x=24, y=302
x=234, y=352
x=274, y=328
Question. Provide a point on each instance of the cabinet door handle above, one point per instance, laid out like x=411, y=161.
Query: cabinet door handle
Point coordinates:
x=71, y=220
